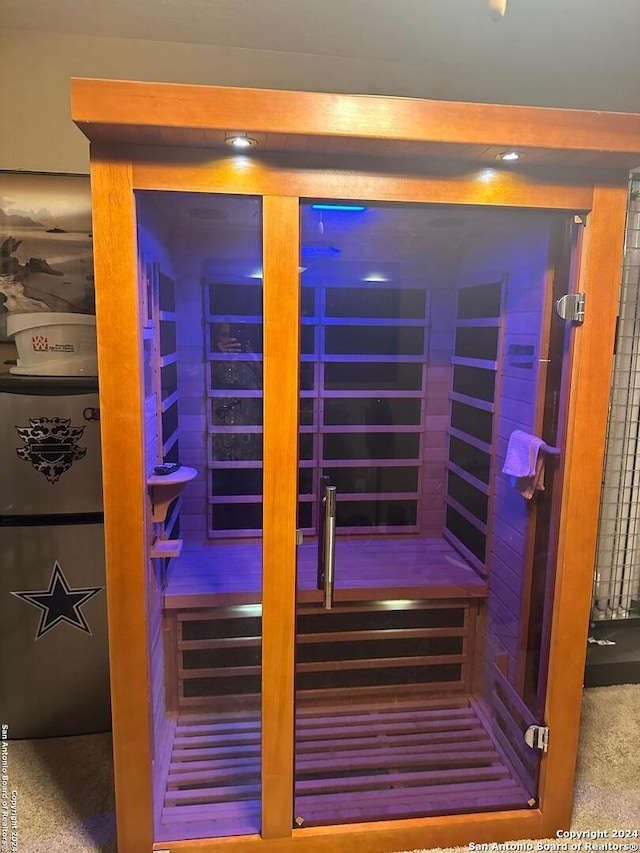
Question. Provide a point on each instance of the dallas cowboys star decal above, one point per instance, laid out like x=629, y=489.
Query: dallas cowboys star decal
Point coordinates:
x=60, y=603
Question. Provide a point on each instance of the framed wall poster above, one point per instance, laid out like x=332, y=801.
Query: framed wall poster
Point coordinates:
x=46, y=253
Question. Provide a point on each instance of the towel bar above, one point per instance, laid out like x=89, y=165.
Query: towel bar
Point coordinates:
x=552, y=451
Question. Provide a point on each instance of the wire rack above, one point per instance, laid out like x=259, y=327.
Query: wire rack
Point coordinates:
x=616, y=591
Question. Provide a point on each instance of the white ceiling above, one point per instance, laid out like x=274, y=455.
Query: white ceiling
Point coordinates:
x=549, y=52
x=403, y=30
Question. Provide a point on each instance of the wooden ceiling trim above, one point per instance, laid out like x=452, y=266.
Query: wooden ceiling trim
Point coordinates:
x=119, y=104
x=268, y=176
x=214, y=140
x=420, y=167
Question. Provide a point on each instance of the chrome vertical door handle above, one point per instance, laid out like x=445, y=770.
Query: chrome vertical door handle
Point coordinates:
x=329, y=545
x=322, y=521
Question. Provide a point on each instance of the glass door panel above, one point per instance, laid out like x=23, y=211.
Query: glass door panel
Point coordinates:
x=425, y=338
x=200, y=261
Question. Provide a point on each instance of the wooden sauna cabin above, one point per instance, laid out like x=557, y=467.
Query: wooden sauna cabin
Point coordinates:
x=338, y=624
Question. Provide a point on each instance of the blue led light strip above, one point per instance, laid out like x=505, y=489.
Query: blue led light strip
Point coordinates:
x=347, y=207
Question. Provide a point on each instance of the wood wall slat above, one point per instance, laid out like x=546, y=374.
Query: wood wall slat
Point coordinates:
x=471, y=558
x=485, y=405
x=514, y=733
x=469, y=478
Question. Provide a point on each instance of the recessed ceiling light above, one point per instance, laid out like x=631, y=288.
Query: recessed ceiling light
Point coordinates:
x=376, y=276
x=241, y=140
x=510, y=155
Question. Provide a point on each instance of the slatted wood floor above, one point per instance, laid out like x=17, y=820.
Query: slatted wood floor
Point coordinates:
x=397, y=761
x=353, y=763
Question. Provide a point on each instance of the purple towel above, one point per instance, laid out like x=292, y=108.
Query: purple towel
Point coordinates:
x=522, y=454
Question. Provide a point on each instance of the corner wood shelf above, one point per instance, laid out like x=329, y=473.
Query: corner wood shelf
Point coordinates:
x=166, y=548
x=163, y=490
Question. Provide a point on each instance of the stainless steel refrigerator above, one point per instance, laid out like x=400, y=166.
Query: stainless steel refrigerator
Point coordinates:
x=53, y=632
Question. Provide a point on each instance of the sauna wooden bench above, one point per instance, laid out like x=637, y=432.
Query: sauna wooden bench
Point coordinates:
x=225, y=574
x=426, y=611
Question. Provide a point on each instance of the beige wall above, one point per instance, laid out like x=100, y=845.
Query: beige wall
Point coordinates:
x=36, y=67
x=35, y=70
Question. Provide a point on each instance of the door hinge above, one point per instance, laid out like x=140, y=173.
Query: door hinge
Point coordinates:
x=299, y=537
x=580, y=219
x=537, y=737
x=570, y=307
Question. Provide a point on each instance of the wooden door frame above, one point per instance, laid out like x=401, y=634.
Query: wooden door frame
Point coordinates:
x=117, y=172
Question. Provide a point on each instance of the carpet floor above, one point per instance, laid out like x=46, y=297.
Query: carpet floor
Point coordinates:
x=64, y=786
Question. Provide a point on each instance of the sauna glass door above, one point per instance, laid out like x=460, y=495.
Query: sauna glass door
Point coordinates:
x=202, y=330
x=425, y=341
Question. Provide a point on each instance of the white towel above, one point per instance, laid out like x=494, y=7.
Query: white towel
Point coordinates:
x=525, y=463
x=522, y=454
